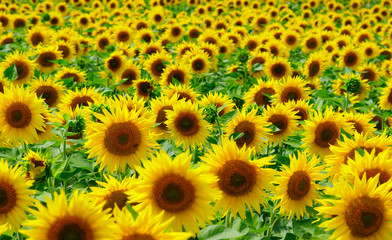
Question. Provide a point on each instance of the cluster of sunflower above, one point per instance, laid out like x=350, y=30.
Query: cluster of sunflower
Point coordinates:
x=169, y=119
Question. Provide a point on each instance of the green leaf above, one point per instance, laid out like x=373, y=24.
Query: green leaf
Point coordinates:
x=236, y=136
x=11, y=73
x=228, y=116
x=78, y=160
x=218, y=232
x=62, y=62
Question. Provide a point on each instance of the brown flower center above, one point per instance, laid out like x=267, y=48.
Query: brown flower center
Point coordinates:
x=71, y=75
x=279, y=121
x=114, y=63
x=198, y=65
x=368, y=74
x=137, y=236
x=179, y=75
x=103, y=42
x=130, y=75
x=194, y=33
x=65, y=51
x=70, y=227
x=312, y=43
x=157, y=67
x=291, y=94
x=314, y=69
x=144, y=88
x=22, y=69
x=123, y=139
x=36, y=38
x=123, y=36
x=370, y=173
x=326, y=133
x=174, y=193
x=48, y=93
x=278, y=70
x=302, y=113
x=291, y=40
x=18, y=115
x=176, y=31
x=262, y=99
x=161, y=117
x=364, y=216
x=237, y=178
x=8, y=198
x=249, y=131
x=81, y=101
x=299, y=185
x=117, y=197
x=350, y=59
x=45, y=58
x=187, y=124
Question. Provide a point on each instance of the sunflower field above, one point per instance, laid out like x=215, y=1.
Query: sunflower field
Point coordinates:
x=195, y=119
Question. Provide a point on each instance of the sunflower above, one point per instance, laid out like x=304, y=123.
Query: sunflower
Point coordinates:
x=112, y=193
x=291, y=89
x=297, y=187
x=151, y=48
x=314, y=65
x=20, y=114
x=175, y=32
x=350, y=57
x=66, y=49
x=277, y=68
x=187, y=125
x=175, y=71
x=46, y=56
x=102, y=41
x=180, y=192
x=76, y=219
x=144, y=36
x=144, y=88
x=385, y=100
x=156, y=64
x=219, y=100
x=76, y=75
x=369, y=164
x=16, y=195
x=362, y=122
x=283, y=119
x=258, y=58
x=193, y=32
x=311, y=42
x=369, y=50
x=131, y=103
x=36, y=164
x=24, y=66
x=345, y=150
x=146, y=226
x=182, y=48
x=363, y=210
x=48, y=89
x=198, y=61
x=38, y=35
x=130, y=73
x=301, y=107
x=182, y=91
x=369, y=72
x=290, y=38
x=115, y=63
x=243, y=182
x=324, y=131
x=7, y=38
x=253, y=126
x=159, y=109
x=81, y=98
x=121, y=138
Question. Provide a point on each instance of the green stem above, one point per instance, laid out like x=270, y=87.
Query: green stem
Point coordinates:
x=245, y=75
x=64, y=149
x=272, y=220
x=347, y=100
x=219, y=127
x=228, y=219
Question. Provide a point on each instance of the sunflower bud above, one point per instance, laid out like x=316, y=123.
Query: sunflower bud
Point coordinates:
x=111, y=48
x=243, y=56
x=210, y=113
x=354, y=85
x=45, y=17
x=77, y=125
x=239, y=102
